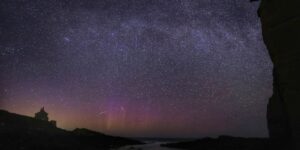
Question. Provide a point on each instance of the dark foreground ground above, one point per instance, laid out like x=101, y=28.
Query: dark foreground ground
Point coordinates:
x=228, y=143
x=19, y=132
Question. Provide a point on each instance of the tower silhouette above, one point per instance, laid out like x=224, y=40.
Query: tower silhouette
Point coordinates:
x=41, y=115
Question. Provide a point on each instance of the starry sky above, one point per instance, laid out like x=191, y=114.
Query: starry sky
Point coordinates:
x=137, y=68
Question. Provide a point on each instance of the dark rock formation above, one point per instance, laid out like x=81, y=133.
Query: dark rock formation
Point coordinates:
x=19, y=132
x=278, y=124
x=281, y=34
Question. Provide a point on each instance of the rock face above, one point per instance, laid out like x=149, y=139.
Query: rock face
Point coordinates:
x=278, y=124
x=281, y=34
x=19, y=132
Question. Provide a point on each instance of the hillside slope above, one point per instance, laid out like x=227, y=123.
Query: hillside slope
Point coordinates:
x=18, y=132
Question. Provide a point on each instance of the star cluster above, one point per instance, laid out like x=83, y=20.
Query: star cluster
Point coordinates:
x=181, y=68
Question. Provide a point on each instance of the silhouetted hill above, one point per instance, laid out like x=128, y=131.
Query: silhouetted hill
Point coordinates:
x=228, y=143
x=18, y=132
x=92, y=138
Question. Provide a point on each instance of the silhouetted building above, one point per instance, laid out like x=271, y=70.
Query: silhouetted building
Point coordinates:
x=53, y=122
x=41, y=115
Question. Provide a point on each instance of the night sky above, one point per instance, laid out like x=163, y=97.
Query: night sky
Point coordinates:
x=146, y=68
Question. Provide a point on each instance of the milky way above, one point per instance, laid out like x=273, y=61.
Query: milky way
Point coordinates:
x=180, y=68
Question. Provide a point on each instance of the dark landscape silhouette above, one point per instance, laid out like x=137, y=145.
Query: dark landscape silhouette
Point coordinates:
x=18, y=132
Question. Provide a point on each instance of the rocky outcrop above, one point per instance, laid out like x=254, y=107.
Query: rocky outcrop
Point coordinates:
x=280, y=27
